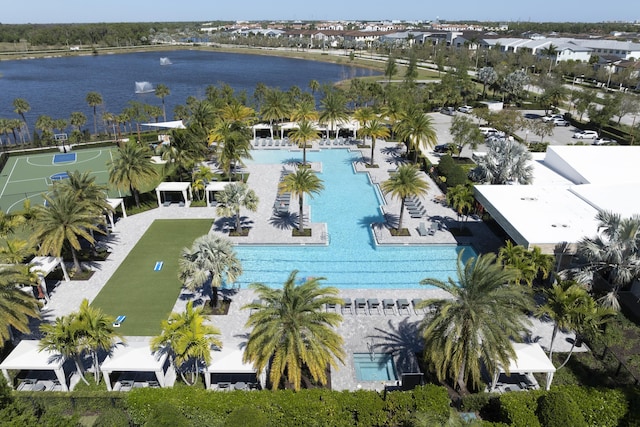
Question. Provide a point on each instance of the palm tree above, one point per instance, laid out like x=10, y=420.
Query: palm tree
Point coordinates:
x=83, y=186
x=16, y=306
x=233, y=144
x=275, y=108
x=302, y=181
x=98, y=333
x=187, y=338
x=461, y=199
x=62, y=222
x=374, y=129
x=15, y=250
x=200, y=178
x=305, y=109
x=305, y=132
x=211, y=259
x=403, y=183
x=9, y=223
x=334, y=109
x=94, y=99
x=314, y=85
x=416, y=128
x=132, y=169
x=21, y=106
x=610, y=260
x=551, y=52
x=64, y=336
x=292, y=333
x=475, y=328
x=162, y=91
x=391, y=69
x=233, y=197
x=505, y=161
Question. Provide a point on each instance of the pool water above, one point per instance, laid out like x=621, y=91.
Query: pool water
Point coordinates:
x=374, y=367
x=348, y=204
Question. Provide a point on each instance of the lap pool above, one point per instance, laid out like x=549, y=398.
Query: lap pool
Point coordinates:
x=348, y=204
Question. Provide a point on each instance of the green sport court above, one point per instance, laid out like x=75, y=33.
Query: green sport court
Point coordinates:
x=29, y=176
x=142, y=289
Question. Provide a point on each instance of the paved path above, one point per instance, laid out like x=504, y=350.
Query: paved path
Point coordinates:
x=381, y=331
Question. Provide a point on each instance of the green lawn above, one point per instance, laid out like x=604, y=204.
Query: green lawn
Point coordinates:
x=137, y=291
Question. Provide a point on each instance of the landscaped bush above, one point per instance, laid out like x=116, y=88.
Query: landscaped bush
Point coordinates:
x=557, y=409
x=450, y=172
x=112, y=418
x=519, y=409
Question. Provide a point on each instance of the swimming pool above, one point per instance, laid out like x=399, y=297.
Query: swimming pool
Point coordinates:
x=374, y=367
x=348, y=204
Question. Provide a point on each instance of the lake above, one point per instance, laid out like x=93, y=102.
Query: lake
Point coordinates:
x=58, y=86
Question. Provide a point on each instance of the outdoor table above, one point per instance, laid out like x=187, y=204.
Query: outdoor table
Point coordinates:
x=240, y=385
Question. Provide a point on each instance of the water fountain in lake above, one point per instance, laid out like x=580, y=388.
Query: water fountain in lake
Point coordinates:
x=144, y=87
x=165, y=61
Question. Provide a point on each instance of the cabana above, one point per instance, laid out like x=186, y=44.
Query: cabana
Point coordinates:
x=44, y=370
x=174, y=187
x=133, y=365
x=262, y=126
x=115, y=203
x=227, y=370
x=529, y=358
x=212, y=188
x=42, y=266
x=176, y=124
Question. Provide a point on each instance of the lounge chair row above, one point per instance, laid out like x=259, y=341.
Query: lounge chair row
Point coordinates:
x=415, y=208
x=268, y=142
x=374, y=306
x=433, y=227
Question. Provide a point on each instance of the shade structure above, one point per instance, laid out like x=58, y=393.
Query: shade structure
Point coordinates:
x=227, y=360
x=114, y=203
x=28, y=356
x=213, y=187
x=42, y=266
x=175, y=124
x=134, y=355
x=529, y=358
x=174, y=187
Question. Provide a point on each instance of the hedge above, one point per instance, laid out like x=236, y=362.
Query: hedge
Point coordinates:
x=287, y=408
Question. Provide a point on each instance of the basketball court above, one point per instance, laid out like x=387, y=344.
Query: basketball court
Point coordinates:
x=29, y=176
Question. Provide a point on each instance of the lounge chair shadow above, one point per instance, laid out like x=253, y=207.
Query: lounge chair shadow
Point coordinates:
x=400, y=341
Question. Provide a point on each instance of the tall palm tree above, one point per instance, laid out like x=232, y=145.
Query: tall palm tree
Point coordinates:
x=62, y=222
x=334, y=109
x=162, y=91
x=314, y=85
x=302, y=181
x=200, y=178
x=374, y=129
x=84, y=187
x=611, y=259
x=98, y=333
x=292, y=333
x=475, y=327
x=304, y=109
x=233, y=143
x=461, y=199
x=21, y=106
x=416, y=128
x=275, y=107
x=16, y=306
x=233, y=197
x=132, y=169
x=64, y=336
x=94, y=99
x=211, y=259
x=391, y=68
x=187, y=339
x=305, y=132
x=9, y=223
x=15, y=250
x=405, y=182
x=551, y=52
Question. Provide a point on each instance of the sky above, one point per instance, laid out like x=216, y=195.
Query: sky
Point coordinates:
x=81, y=11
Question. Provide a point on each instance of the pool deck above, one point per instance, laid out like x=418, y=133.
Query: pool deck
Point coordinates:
x=395, y=333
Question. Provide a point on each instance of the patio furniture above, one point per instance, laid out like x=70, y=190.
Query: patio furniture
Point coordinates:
x=225, y=386
x=416, y=302
x=388, y=304
x=330, y=306
x=361, y=304
x=403, y=304
x=347, y=305
x=422, y=229
x=373, y=303
x=240, y=385
x=433, y=228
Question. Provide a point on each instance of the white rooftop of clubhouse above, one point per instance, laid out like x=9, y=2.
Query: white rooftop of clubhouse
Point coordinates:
x=571, y=184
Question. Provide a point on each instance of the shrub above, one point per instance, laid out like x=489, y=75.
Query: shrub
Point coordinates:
x=432, y=398
x=112, y=418
x=519, y=409
x=557, y=409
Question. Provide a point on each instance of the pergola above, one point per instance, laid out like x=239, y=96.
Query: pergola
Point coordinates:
x=134, y=358
x=228, y=362
x=261, y=126
x=174, y=187
x=213, y=187
x=42, y=266
x=114, y=203
x=28, y=357
x=529, y=358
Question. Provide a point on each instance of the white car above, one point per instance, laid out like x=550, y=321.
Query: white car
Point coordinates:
x=586, y=134
x=467, y=109
x=604, y=141
x=552, y=117
x=560, y=122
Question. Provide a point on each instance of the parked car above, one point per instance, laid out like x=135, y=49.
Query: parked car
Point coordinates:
x=552, y=117
x=450, y=111
x=586, y=134
x=445, y=148
x=467, y=109
x=485, y=130
x=560, y=122
x=604, y=141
